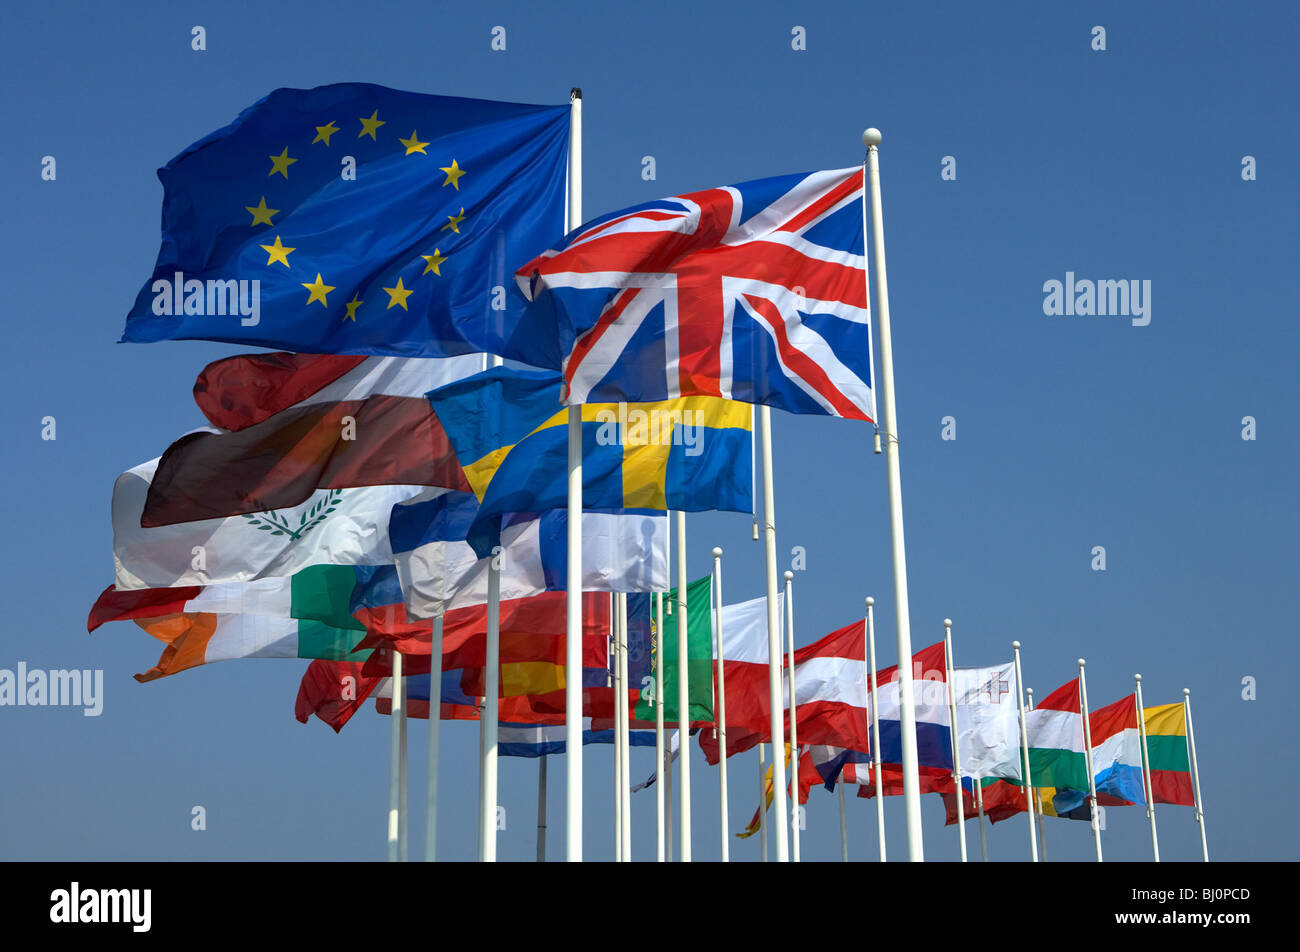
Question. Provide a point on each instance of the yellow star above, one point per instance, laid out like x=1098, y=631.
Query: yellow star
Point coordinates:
x=454, y=172
x=398, y=295
x=262, y=214
x=352, y=309
x=434, y=262
x=370, y=126
x=277, y=252
x=413, y=144
x=318, y=291
x=280, y=163
x=324, y=132
x=453, y=222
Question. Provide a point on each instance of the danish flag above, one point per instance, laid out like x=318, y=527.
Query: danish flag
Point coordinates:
x=754, y=292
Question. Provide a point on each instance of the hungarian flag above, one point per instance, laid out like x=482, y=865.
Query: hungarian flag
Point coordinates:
x=287, y=425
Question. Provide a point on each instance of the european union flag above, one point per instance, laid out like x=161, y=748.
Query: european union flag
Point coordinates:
x=359, y=219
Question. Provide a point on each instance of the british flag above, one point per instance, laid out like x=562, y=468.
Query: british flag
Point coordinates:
x=755, y=292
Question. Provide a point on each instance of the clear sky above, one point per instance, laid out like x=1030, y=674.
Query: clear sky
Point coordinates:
x=1072, y=432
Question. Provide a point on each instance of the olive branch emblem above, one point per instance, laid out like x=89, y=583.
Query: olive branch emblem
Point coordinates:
x=277, y=524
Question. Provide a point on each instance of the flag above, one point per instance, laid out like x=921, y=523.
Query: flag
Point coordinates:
x=756, y=292
x=356, y=219
x=262, y=619
x=691, y=454
x=807, y=776
x=622, y=551
x=1054, y=732
x=331, y=526
x=988, y=725
x=333, y=691
x=699, y=664
x=1169, y=766
x=289, y=424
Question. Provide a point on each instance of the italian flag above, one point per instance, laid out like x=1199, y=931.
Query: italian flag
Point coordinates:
x=302, y=616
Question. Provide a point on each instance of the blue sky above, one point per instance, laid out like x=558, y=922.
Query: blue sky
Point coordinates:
x=1072, y=432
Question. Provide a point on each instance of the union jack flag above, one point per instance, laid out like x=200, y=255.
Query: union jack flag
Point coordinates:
x=755, y=292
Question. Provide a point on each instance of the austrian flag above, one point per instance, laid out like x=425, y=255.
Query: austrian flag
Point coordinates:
x=755, y=292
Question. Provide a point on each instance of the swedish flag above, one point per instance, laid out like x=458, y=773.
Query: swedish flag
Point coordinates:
x=510, y=434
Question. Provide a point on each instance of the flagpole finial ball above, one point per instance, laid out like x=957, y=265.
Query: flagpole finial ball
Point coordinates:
x=872, y=137
x=1015, y=645
x=1137, y=677
x=1187, y=692
x=789, y=575
x=947, y=623
x=1082, y=662
x=717, y=552
x=870, y=601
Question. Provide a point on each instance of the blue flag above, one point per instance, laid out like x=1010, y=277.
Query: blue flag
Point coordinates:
x=359, y=219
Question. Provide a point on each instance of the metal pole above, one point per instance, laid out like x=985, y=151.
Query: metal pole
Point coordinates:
x=1093, y=814
x=1196, y=774
x=573, y=601
x=1146, y=769
x=875, y=726
x=1038, y=797
x=625, y=737
x=762, y=803
x=979, y=806
x=488, y=721
x=720, y=719
x=403, y=814
x=435, y=740
x=794, y=732
x=394, y=764
x=1024, y=753
x=871, y=138
x=683, y=692
x=952, y=733
x=660, y=747
x=773, y=639
x=844, y=824
x=616, y=682
x=541, y=809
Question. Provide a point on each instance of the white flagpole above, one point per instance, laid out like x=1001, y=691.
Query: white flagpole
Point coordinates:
x=1196, y=774
x=844, y=825
x=1146, y=770
x=660, y=794
x=435, y=740
x=541, y=809
x=616, y=682
x=794, y=732
x=668, y=814
x=1038, y=798
x=720, y=718
x=573, y=581
x=1024, y=754
x=394, y=764
x=488, y=725
x=871, y=138
x=875, y=726
x=625, y=737
x=1094, y=816
x=683, y=692
x=979, y=806
x=762, y=803
x=774, y=678
x=952, y=733
x=488, y=719
x=402, y=813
